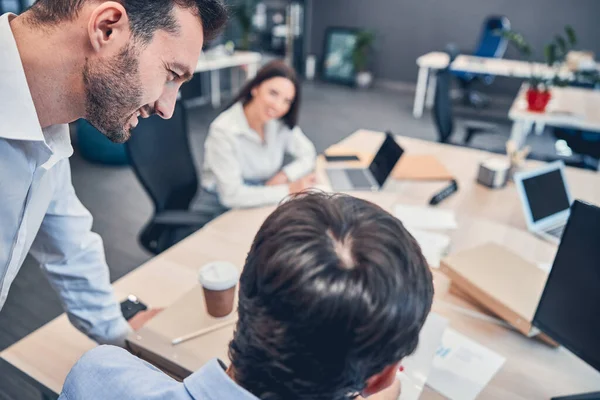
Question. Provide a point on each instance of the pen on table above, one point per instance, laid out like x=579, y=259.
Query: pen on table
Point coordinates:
x=202, y=332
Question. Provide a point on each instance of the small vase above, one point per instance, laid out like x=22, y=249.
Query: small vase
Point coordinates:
x=537, y=100
x=364, y=79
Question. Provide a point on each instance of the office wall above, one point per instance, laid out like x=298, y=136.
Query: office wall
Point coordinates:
x=407, y=29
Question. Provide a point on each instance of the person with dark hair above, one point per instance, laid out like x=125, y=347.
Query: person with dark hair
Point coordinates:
x=332, y=297
x=245, y=148
x=109, y=62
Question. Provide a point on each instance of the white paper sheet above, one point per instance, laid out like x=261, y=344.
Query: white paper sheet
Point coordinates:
x=433, y=245
x=425, y=217
x=462, y=367
x=418, y=365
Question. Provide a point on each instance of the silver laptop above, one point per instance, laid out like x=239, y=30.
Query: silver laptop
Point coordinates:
x=371, y=178
x=546, y=200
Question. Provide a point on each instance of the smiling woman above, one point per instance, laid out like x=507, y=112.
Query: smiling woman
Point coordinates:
x=245, y=147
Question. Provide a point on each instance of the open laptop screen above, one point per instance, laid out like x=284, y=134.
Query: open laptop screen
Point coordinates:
x=385, y=160
x=569, y=308
x=546, y=194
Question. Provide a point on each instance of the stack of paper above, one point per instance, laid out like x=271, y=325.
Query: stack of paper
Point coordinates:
x=433, y=245
x=418, y=365
x=425, y=217
x=462, y=367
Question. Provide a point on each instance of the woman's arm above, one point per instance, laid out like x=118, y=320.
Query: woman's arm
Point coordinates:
x=301, y=148
x=220, y=158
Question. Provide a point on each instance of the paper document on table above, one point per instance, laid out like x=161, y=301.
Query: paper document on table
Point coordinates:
x=462, y=367
x=418, y=365
x=425, y=217
x=433, y=245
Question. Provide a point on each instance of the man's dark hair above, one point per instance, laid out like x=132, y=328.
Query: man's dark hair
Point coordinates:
x=146, y=17
x=334, y=289
x=274, y=69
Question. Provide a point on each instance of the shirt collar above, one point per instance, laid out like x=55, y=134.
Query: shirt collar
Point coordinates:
x=19, y=117
x=243, y=129
x=212, y=383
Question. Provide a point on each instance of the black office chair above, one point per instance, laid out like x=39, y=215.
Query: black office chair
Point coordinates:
x=159, y=152
x=442, y=107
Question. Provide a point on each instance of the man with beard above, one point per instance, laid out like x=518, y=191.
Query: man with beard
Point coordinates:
x=109, y=62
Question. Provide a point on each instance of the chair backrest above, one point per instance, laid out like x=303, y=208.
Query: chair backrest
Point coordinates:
x=159, y=152
x=442, y=106
x=491, y=43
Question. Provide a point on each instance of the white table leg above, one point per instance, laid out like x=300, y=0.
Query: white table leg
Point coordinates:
x=252, y=70
x=519, y=132
x=420, y=92
x=235, y=81
x=539, y=128
x=430, y=96
x=215, y=88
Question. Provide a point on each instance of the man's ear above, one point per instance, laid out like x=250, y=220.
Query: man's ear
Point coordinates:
x=381, y=381
x=108, y=26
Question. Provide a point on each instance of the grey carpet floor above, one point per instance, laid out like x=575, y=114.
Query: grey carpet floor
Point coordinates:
x=120, y=206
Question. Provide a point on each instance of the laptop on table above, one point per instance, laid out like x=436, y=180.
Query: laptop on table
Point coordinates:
x=546, y=200
x=374, y=176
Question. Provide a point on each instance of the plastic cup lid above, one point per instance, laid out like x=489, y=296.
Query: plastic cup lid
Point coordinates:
x=220, y=275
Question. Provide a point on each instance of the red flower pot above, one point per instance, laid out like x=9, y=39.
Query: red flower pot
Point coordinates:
x=537, y=100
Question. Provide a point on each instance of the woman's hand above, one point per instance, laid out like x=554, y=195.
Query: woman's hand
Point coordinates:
x=303, y=183
x=280, y=178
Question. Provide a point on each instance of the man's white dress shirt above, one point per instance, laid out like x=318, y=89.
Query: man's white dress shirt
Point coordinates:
x=40, y=212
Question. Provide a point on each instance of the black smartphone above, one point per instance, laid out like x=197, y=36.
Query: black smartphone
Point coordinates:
x=346, y=157
x=132, y=306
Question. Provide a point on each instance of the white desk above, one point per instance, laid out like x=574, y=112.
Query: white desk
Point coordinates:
x=569, y=108
x=426, y=82
x=215, y=63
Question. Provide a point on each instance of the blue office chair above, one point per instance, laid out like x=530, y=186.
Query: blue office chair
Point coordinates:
x=491, y=45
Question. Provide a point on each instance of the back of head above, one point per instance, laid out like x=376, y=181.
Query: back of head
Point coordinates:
x=146, y=17
x=334, y=290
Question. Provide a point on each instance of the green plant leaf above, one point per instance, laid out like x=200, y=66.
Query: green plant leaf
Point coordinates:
x=550, y=54
x=362, y=48
x=562, y=45
x=571, y=36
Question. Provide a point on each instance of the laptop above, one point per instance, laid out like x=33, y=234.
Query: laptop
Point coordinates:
x=374, y=176
x=546, y=200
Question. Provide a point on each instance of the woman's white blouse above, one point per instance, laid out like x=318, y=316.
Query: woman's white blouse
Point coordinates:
x=235, y=157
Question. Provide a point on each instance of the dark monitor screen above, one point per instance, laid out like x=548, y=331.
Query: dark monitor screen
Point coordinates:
x=546, y=194
x=569, y=309
x=385, y=160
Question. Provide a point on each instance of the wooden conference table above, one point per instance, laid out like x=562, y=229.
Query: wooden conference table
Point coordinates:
x=532, y=370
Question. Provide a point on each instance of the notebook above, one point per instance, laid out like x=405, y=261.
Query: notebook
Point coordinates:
x=500, y=280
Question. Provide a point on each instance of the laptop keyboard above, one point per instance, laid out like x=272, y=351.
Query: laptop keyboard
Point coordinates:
x=557, y=232
x=358, y=178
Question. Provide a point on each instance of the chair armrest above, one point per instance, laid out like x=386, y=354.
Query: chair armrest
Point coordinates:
x=182, y=218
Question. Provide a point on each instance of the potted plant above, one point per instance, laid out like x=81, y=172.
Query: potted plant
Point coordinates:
x=243, y=13
x=538, y=94
x=361, y=56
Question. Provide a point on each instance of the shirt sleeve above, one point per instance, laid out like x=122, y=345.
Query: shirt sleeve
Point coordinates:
x=220, y=158
x=72, y=256
x=301, y=148
x=108, y=372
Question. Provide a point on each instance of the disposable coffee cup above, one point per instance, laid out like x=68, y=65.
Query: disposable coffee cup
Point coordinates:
x=219, y=279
